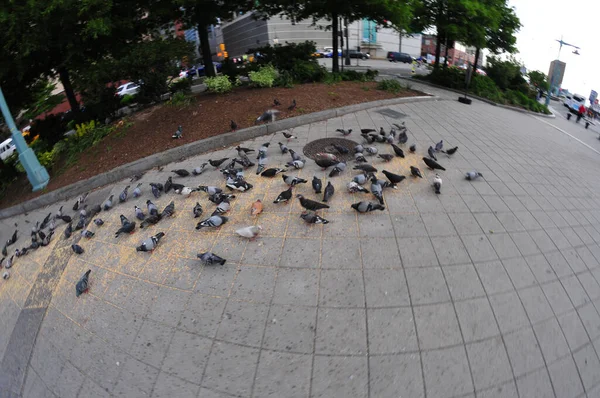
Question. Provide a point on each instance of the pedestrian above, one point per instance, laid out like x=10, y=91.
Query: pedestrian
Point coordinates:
x=580, y=113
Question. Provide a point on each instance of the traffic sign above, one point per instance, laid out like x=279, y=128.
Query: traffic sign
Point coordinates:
x=593, y=96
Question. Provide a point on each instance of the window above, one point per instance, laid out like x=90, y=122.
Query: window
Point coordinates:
x=427, y=42
x=369, y=31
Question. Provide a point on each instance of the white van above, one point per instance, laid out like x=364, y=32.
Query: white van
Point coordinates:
x=7, y=148
x=576, y=102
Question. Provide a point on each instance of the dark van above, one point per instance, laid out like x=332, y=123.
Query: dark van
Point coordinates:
x=393, y=56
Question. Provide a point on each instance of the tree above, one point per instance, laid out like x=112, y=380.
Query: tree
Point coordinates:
x=393, y=13
x=539, y=80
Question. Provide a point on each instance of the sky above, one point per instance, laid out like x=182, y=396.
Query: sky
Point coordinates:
x=545, y=21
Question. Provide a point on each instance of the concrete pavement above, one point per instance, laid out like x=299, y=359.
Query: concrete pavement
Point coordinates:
x=487, y=290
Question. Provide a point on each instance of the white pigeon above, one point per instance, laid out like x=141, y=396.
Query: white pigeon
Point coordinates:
x=185, y=191
x=249, y=232
x=437, y=183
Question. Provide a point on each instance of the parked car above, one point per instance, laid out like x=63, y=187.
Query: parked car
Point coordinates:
x=394, y=56
x=128, y=89
x=576, y=102
x=7, y=148
x=356, y=54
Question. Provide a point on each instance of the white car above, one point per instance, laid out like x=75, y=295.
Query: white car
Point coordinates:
x=128, y=89
x=7, y=148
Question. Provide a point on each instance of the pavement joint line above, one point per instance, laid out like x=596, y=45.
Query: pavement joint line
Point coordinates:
x=564, y=132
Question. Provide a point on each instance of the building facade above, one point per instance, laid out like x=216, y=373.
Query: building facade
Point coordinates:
x=459, y=55
x=556, y=73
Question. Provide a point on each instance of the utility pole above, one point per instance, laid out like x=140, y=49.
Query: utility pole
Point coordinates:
x=346, y=33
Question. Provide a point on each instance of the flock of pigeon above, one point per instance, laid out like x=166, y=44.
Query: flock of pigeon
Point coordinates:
x=233, y=172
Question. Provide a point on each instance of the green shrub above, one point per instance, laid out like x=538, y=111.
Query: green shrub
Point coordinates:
x=264, y=77
x=86, y=135
x=180, y=99
x=333, y=78
x=308, y=72
x=285, y=57
x=284, y=79
x=485, y=87
x=505, y=73
x=218, y=84
x=127, y=100
x=232, y=69
x=181, y=85
x=390, y=85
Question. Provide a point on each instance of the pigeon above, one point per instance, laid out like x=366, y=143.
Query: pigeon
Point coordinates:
x=52, y=225
x=365, y=207
x=210, y=189
x=293, y=181
x=136, y=177
x=222, y=208
x=4, y=251
x=212, y=221
x=45, y=221
x=98, y=222
x=233, y=125
x=261, y=165
x=199, y=170
x=219, y=197
x=432, y=164
x=328, y=192
x=217, y=163
x=439, y=146
x=168, y=184
x=402, y=137
x=34, y=245
x=292, y=106
x=128, y=227
x=325, y=162
x=390, y=138
x=250, y=232
x=297, y=164
x=185, y=191
x=59, y=213
x=262, y=151
x=437, y=184
x=386, y=157
x=268, y=116
x=82, y=213
x=5, y=275
x=398, y=151
x=473, y=175
x=359, y=149
x=271, y=172
x=79, y=202
x=12, y=239
x=451, y=151
x=368, y=138
x=150, y=244
x=276, y=102
x=87, y=234
x=139, y=214
x=155, y=191
x=394, y=178
x=152, y=209
x=284, y=196
x=341, y=149
x=137, y=191
x=360, y=178
x=46, y=240
x=35, y=229
x=178, y=133
x=284, y=149
x=360, y=158
x=257, y=208
x=80, y=224
x=197, y=210
x=158, y=185
x=316, y=184
x=181, y=172
x=68, y=231
x=168, y=210
x=9, y=262
x=365, y=167
x=243, y=149
x=431, y=153
x=66, y=218
x=294, y=155
x=312, y=218
x=209, y=258
x=412, y=148
x=108, y=203
x=415, y=172
x=311, y=204
x=77, y=249
x=354, y=187
x=124, y=220
x=337, y=169
x=239, y=184
x=289, y=136
x=123, y=195
x=376, y=189
x=151, y=219
x=344, y=132
x=83, y=283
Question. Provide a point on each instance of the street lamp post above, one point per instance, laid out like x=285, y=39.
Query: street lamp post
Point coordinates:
x=36, y=173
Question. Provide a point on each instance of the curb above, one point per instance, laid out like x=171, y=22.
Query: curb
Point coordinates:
x=193, y=149
x=487, y=101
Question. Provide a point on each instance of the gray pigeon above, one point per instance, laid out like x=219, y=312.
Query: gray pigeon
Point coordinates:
x=431, y=152
x=209, y=258
x=137, y=191
x=415, y=172
x=83, y=283
x=317, y=184
x=297, y=164
x=269, y=116
x=169, y=210
x=108, y=203
x=9, y=262
x=199, y=170
x=329, y=191
x=210, y=189
x=261, y=165
x=365, y=207
x=361, y=179
x=87, y=234
x=337, y=169
x=222, y=208
x=181, y=172
x=311, y=218
x=371, y=150
x=139, y=214
x=353, y=187
x=283, y=147
x=152, y=209
x=150, y=244
x=168, y=184
x=127, y=227
x=377, y=189
x=344, y=132
x=123, y=195
x=473, y=175
x=294, y=155
x=239, y=184
x=262, y=151
x=212, y=221
x=359, y=149
x=150, y=220
x=402, y=137
x=178, y=133
x=293, y=181
x=98, y=222
x=77, y=249
x=197, y=210
x=155, y=191
x=439, y=146
x=68, y=230
x=359, y=157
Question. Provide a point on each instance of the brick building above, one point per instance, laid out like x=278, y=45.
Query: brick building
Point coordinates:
x=458, y=55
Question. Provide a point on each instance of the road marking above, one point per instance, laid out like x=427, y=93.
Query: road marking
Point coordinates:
x=564, y=132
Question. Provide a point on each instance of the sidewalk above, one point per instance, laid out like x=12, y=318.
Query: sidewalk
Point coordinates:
x=489, y=289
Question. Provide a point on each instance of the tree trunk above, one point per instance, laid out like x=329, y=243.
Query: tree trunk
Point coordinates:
x=334, y=32
x=446, y=54
x=206, y=52
x=65, y=79
x=438, y=50
x=476, y=59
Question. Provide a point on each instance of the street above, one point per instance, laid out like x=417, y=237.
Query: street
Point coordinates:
x=383, y=66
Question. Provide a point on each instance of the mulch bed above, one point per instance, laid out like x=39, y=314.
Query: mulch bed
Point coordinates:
x=207, y=116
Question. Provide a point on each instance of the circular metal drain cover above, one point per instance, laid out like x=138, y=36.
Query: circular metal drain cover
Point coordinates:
x=326, y=145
